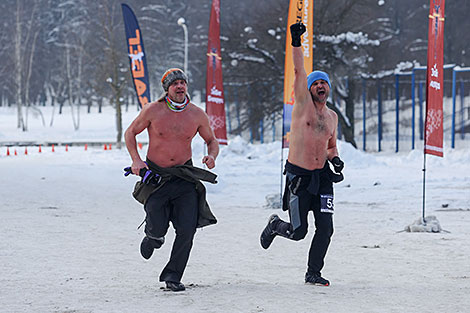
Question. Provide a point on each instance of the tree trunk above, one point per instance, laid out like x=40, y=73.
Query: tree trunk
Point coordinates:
x=70, y=87
x=18, y=69
x=347, y=130
x=79, y=83
x=118, y=119
x=346, y=120
x=28, y=73
x=349, y=133
x=52, y=116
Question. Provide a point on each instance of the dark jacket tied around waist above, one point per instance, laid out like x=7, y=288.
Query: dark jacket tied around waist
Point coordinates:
x=187, y=172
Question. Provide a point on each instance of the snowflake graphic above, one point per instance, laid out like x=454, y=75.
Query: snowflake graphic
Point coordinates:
x=216, y=122
x=433, y=121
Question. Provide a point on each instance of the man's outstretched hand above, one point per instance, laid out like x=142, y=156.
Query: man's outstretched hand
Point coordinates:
x=338, y=164
x=148, y=177
x=296, y=30
x=209, y=160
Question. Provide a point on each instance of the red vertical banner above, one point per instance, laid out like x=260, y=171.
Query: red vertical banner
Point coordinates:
x=434, y=128
x=215, y=103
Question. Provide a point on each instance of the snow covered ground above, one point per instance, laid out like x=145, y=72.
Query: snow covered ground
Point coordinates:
x=69, y=238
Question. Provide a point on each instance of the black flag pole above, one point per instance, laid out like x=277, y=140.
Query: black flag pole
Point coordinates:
x=424, y=188
x=282, y=161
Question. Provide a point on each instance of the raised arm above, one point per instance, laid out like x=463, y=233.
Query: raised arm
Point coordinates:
x=300, y=76
x=140, y=123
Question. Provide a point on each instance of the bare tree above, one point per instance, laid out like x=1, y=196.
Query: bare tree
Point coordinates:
x=25, y=38
x=69, y=36
x=54, y=44
x=113, y=60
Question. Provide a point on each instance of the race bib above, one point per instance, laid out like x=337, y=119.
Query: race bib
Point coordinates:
x=327, y=205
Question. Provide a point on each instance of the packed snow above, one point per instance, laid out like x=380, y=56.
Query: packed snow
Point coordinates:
x=70, y=243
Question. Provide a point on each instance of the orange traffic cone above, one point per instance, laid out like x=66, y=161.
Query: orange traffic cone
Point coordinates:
x=86, y=147
x=66, y=148
x=26, y=150
x=140, y=145
x=16, y=152
x=8, y=151
x=40, y=149
x=53, y=150
x=105, y=147
x=110, y=147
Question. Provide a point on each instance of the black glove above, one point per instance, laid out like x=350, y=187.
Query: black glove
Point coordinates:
x=296, y=30
x=338, y=165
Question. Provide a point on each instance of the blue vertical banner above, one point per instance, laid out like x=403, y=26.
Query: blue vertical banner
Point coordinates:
x=138, y=61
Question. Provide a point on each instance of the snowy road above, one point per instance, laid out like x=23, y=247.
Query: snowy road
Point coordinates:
x=69, y=238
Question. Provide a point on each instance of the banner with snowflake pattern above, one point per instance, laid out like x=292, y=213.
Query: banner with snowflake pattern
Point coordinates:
x=215, y=103
x=434, y=128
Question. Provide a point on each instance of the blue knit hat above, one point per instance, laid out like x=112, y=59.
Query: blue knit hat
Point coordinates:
x=316, y=75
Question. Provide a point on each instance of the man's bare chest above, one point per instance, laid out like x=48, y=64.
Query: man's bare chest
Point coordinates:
x=177, y=126
x=320, y=125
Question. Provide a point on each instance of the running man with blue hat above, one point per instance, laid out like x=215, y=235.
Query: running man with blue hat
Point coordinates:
x=309, y=179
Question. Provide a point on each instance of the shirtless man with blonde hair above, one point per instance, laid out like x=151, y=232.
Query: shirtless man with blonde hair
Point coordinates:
x=308, y=176
x=177, y=195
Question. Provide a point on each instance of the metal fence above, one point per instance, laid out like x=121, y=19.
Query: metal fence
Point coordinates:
x=391, y=111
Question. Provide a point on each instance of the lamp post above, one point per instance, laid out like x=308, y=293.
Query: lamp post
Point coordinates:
x=181, y=22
